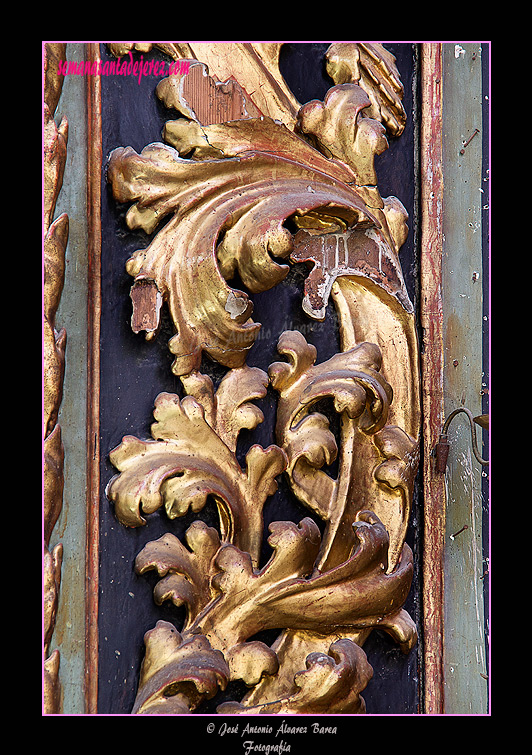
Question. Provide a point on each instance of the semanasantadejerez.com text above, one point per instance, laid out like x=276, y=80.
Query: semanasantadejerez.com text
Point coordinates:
x=125, y=67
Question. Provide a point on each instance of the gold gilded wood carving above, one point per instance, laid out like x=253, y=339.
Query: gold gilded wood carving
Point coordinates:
x=54, y=342
x=226, y=189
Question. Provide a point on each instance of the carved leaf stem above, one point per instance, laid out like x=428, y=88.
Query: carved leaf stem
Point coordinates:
x=357, y=593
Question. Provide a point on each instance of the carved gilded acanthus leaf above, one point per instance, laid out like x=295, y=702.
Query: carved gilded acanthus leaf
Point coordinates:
x=210, y=218
x=331, y=683
x=340, y=131
x=373, y=68
x=306, y=585
x=177, y=674
x=363, y=397
x=185, y=572
x=357, y=593
x=187, y=460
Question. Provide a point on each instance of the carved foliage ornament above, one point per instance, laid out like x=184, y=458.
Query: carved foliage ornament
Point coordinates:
x=238, y=163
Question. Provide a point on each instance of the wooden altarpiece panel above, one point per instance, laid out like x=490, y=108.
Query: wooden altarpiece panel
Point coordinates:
x=264, y=235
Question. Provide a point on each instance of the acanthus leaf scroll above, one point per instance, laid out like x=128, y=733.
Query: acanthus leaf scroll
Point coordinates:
x=226, y=190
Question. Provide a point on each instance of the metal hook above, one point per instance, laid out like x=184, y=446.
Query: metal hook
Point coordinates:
x=442, y=447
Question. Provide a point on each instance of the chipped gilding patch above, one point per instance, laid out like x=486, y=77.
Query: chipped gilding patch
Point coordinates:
x=147, y=303
x=235, y=305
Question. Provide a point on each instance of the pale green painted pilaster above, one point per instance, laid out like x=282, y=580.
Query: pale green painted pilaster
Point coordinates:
x=465, y=200
x=69, y=634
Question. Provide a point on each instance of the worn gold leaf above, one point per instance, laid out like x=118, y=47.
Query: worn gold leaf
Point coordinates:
x=186, y=462
x=52, y=578
x=250, y=661
x=229, y=410
x=55, y=234
x=342, y=133
x=330, y=684
x=352, y=379
x=185, y=574
x=178, y=674
x=215, y=230
x=373, y=68
x=357, y=593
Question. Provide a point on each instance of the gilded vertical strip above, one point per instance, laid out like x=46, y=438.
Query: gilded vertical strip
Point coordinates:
x=432, y=369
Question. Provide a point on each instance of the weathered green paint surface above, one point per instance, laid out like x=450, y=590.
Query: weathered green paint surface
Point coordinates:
x=69, y=634
x=465, y=201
